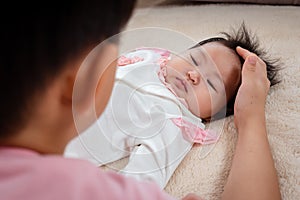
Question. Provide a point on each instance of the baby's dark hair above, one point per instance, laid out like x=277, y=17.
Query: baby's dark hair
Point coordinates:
x=244, y=38
x=38, y=40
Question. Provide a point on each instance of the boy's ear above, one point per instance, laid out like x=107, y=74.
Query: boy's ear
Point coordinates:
x=87, y=89
x=67, y=87
x=85, y=81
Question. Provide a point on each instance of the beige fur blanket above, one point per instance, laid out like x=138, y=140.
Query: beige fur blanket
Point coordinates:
x=278, y=28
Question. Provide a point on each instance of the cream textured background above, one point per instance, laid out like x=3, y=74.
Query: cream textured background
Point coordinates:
x=145, y=3
x=278, y=28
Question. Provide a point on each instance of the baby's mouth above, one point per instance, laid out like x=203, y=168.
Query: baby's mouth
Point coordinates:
x=183, y=83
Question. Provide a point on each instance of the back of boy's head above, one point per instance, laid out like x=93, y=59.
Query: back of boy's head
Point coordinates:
x=37, y=42
x=244, y=38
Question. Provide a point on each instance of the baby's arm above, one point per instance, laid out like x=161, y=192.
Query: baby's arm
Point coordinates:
x=252, y=175
x=157, y=158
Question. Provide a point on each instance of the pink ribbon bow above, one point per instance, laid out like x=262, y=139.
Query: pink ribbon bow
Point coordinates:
x=194, y=133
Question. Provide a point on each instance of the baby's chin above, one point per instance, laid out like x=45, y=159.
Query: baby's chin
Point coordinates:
x=195, y=110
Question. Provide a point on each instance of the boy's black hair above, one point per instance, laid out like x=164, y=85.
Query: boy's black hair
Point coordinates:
x=244, y=38
x=37, y=40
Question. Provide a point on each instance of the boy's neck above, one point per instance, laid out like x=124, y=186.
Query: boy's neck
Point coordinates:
x=49, y=128
x=43, y=142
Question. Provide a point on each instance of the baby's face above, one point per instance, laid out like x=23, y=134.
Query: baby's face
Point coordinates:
x=206, y=77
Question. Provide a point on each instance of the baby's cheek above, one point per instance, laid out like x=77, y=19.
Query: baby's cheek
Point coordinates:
x=205, y=108
x=173, y=71
x=200, y=105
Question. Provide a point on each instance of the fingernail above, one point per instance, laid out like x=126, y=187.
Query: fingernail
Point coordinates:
x=252, y=60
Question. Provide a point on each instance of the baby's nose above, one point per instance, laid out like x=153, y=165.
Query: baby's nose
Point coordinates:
x=194, y=76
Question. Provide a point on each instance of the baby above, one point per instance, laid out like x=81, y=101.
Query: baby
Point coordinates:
x=159, y=102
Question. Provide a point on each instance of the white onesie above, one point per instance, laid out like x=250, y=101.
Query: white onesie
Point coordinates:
x=143, y=120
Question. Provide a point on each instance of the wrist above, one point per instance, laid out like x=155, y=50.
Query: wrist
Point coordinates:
x=252, y=123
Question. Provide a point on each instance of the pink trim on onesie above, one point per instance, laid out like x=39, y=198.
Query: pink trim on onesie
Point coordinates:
x=123, y=60
x=162, y=73
x=194, y=133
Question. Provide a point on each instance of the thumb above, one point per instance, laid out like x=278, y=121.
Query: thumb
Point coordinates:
x=249, y=68
x=250, y=59
x=250, y=63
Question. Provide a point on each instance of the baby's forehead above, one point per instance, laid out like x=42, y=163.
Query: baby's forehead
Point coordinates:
x=215, y=50
x=225, y=59
x=201, y=50
x=214, y=45
x=220, y=49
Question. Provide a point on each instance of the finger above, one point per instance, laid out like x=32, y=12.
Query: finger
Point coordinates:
x=249, y=68
x=243, y=52
x=250, y=58
x=192, y=197
x=250, y=64
x=251, y=61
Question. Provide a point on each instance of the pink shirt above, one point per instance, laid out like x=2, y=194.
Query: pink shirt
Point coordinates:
x=25, y=174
